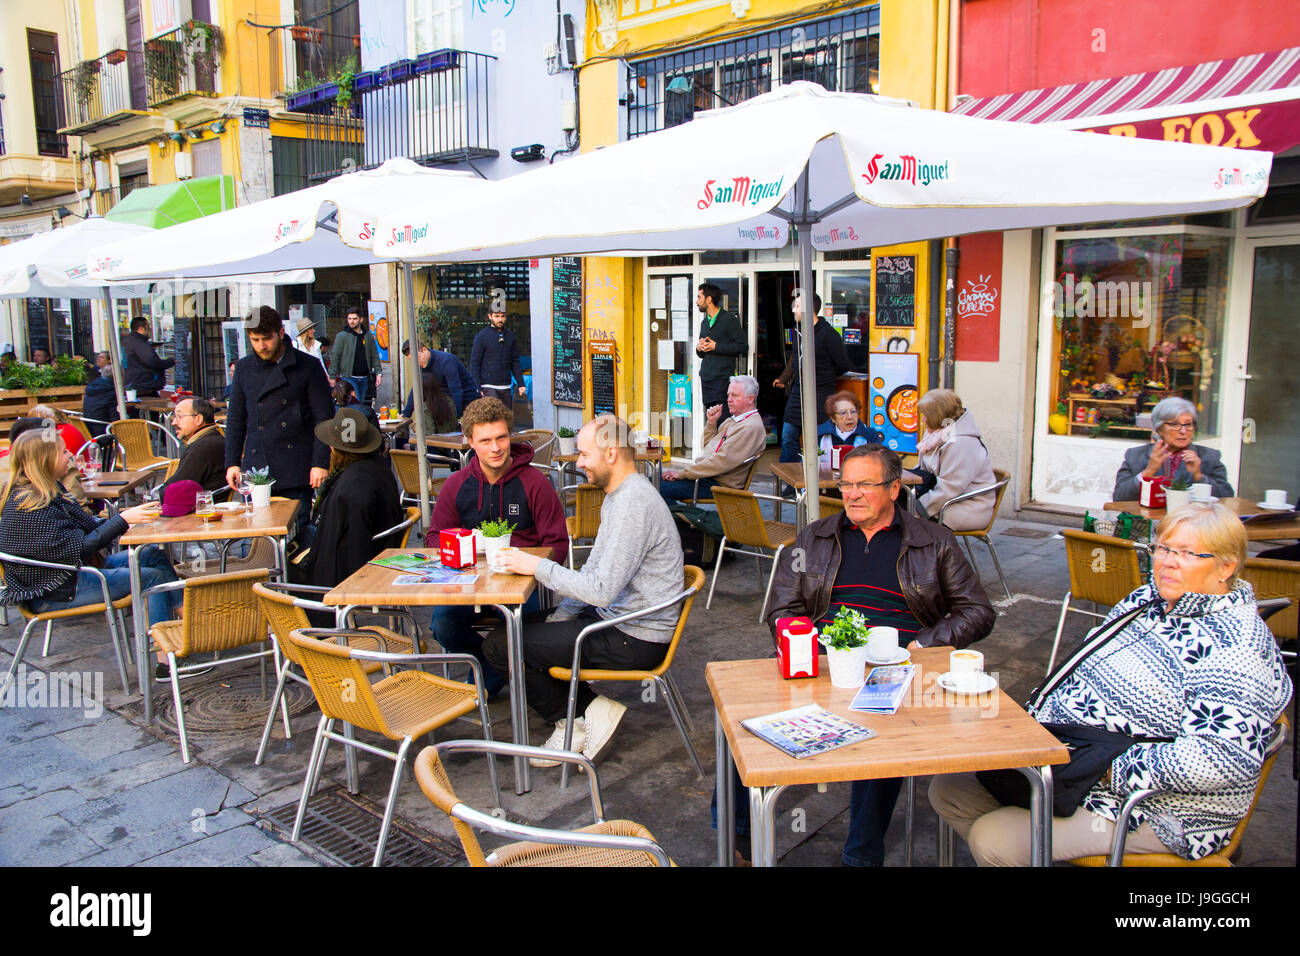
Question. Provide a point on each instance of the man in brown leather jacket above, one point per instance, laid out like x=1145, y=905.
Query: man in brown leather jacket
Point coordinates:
x=898, y=570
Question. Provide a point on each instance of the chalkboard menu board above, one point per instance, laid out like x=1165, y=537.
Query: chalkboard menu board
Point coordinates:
x=604, y=394
x=895, y=291
x=38, y=326
x=566, y=331
x=182, y=326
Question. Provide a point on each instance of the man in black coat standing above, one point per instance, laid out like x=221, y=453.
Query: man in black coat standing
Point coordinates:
x=494, y=359
x=277, y=399
x=144, y=369
x=721, y=340
x=831, y=362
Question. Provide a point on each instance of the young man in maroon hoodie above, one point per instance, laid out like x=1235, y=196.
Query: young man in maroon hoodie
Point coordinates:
x=499, y=483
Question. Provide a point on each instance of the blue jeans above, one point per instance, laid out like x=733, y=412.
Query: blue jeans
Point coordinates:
x=361, y=384
x=684, y=488
x=871, y=805
x=790, y=447
x=154, y=569
x=452, y=628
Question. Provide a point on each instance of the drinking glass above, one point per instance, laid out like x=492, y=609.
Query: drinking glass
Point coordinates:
x=246, y=492
x=203, y=505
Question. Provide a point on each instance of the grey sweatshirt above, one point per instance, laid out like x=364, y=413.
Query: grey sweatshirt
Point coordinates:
x=635, y=563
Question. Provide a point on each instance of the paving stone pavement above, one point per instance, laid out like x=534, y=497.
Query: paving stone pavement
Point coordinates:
x=86, y=788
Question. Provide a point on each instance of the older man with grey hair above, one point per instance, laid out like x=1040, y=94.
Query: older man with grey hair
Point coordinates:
x=726, y=450
x=1171, y=453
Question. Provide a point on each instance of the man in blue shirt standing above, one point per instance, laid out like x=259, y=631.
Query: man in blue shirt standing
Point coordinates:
x=494, y=360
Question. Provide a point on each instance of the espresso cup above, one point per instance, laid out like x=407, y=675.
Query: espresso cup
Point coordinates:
x=965, y=661
x=130, y=395
x=1275, y=497
x=882, y=643
x=1201, y=491
x=495, y=565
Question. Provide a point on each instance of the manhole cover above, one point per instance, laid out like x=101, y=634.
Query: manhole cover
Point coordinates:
x=345, y=827
x=1018, y=532
x=228, y=703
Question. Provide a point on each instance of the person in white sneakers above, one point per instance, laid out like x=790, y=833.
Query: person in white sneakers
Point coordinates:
x=635, y=563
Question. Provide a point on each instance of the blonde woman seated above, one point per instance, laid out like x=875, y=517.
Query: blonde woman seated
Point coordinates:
x=953, y=455
x=1197, y=666
x=70, y=482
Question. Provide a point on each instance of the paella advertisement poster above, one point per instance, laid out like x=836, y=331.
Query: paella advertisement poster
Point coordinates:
x=893, y=398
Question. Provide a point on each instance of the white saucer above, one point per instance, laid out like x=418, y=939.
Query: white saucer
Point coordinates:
x=1204, y=501
x=898, y=657
x=1268, y=507
x=987, y=683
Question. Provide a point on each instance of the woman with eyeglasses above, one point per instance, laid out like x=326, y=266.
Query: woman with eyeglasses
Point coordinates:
x=1195, y=666
x=953, y=461
x=1172, y=454
x=844, y=426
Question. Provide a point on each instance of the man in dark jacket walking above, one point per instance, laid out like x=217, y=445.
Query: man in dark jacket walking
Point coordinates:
x=831, y=360
x=452, y=375
x=277, y=399
x=145, y=371
x=355, y=356
x=494, y=360
x=721, y=340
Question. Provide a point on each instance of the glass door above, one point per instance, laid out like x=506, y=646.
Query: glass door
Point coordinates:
x=736, y=300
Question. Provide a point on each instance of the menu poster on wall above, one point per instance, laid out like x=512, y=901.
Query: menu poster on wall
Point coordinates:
x=567, y=331
x=893, y=397
x=895, y=291
x=604, y=391
x=182, y=326
x=377, y=310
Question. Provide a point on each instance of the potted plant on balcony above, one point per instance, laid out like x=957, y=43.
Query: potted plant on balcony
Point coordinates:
x=116, y=56
x=300, y=31
x=344, y=77
x=85, y=81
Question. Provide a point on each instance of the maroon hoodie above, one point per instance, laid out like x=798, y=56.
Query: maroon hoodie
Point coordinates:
x=523, y=496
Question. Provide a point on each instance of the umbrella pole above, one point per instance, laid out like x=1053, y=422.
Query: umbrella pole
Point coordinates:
x=417, y=393
x=807, y=370
x=115, y=353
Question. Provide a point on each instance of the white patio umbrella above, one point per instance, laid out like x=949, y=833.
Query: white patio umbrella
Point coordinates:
x=846, y=170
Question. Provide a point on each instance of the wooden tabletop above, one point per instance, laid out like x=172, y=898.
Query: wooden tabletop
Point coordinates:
x=393, y=424
x=791, y=472
x=98, y=491
x=373, y=584
x=1280, y=528
x=272, y=521
x=933, y=732
x=642, y=454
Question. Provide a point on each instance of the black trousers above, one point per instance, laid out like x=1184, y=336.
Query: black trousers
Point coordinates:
x=714, y=392
x=550, y=644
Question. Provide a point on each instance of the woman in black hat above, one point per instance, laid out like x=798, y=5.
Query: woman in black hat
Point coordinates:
x=358, y=499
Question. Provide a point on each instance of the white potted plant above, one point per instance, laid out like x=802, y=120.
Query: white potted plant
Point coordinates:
x=845, y=639
x=495, y=535
x=568, y=441
x=1178, y=495
x=261, y=482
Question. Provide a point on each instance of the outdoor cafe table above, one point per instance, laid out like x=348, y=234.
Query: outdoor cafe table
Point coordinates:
x=97, y=490
x=791, y=473
x=1279, y=527
x=272, y=522
x=651, y=456
x=933, y=732
x=372, y=585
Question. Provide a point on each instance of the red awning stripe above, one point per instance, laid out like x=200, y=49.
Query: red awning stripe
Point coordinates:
x=1076, y=103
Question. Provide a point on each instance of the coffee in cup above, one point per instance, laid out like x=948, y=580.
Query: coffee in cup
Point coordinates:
x=965, y=661
x=882, y=643
x=1275, y=498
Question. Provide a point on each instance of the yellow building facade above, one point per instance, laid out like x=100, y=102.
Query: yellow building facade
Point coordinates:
x=653, y=63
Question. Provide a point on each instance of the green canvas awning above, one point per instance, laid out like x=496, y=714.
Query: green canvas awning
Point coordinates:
x=172, y=203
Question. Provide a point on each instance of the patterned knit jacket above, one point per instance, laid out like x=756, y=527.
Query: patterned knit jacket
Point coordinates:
x=1208, y=674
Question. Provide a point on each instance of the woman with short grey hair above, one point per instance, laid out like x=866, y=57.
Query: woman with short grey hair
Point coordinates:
x=1171, y=453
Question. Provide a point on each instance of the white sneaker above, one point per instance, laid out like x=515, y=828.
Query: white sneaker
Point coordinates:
x=603, y=716
x=556, y=742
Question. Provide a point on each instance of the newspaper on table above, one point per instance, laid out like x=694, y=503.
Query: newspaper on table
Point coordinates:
x=806, y=731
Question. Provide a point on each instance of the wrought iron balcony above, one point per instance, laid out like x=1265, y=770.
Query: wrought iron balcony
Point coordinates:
x=100, y=92
x=434, y=109
x=182, y=63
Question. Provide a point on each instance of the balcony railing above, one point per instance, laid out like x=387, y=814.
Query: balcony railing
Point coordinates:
x=181, y=63
x=319, y=55
x=97, y=92
x=434, y=109
x=841, y=53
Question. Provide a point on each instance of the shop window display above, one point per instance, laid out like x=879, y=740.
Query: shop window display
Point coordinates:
x=1136, y=319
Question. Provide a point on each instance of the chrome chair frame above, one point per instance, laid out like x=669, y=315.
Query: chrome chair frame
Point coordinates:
x=750, y=463
x=774, y=557
x=982, y=535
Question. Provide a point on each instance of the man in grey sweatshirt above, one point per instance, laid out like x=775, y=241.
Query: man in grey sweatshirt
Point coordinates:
x=635, y=563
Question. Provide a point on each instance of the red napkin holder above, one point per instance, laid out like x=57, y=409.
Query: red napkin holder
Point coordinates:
x=1152, y=491
x=796, y=647
x=837, y=455
x=456, y=547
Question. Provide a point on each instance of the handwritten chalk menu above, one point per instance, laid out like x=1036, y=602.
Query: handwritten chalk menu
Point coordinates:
x=182, y=327
x=895, y=291
x=38, y=327
x=566, y=329
x=604, y=395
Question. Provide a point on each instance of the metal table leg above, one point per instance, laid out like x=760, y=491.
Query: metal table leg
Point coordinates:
x=138, y=619
x=514, y=616
x=762, y=824
x=908, y=814
x=726, y=790
x=1040, y=814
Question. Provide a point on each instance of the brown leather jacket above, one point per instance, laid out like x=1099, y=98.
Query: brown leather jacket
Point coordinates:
x=940, y=587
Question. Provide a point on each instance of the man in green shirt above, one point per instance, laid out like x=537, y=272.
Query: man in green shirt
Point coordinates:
x=721, y=340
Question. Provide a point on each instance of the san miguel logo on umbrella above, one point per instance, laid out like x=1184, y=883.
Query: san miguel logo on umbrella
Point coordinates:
x=408, y=234
x=286, y=229
x=742, y=191
x=906, y=170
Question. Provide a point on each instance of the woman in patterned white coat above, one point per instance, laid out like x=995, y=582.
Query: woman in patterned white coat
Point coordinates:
x=1197, y=665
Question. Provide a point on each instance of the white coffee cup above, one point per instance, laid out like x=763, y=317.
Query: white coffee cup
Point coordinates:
x=130, y=395
x=1275, y=498
x=1201, y=491
x=495, y=565
x=882, y=643
x=965, y=661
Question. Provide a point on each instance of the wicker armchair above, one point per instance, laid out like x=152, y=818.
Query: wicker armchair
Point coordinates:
x=743, y=524
x=1001, y=480
x=604, y=843
x=406, y=466
x=749, y=464
x=132, y=436
x=219, y=613
x=402, y=707
x=1103, y=570
x=584, y=525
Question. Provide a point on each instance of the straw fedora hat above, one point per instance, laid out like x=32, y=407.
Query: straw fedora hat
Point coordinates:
x=350, y=431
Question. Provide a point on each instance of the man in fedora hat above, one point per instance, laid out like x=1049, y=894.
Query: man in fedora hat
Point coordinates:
x=277, y=398
x=357, y=501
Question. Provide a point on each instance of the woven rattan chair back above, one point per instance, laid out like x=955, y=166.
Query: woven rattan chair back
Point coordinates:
x=133, y=435
x=586, y=511
x=1003, y=479
x=277, y=607
x=1271, y=579
x=80, y=426
x=220, y=612
x=172, y=467
x=1102, y=568
x=742, y=521
x=407, y=468
x=830, y=505
x=543, y=443
x=433, y=780
x=340, y=684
